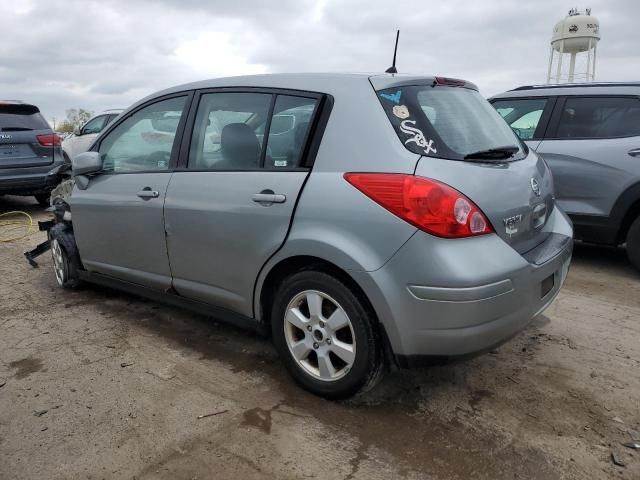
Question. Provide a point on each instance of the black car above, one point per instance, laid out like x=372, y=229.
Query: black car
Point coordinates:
x=29, y=150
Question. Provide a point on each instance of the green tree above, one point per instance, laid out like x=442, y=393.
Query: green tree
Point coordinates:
x=76, y=117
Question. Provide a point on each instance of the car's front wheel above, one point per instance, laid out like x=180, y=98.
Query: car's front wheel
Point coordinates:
x=66, y=261
x=326, y=335
x=633, y=243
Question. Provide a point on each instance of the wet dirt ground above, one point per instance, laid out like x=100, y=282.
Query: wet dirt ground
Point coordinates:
x=101, y=384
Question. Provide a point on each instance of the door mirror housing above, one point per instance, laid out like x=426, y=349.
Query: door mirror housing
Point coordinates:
x=77, y=132
x=86, y=163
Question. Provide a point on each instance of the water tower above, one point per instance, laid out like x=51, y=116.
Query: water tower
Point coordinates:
x=576, y=35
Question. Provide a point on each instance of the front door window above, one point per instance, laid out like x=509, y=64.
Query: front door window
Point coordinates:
x=144, y=141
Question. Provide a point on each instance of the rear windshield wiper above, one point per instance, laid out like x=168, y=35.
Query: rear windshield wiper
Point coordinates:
x=507, y=151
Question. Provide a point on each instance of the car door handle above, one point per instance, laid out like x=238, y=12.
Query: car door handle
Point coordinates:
x=268, y=197
x=146, y=193
x=635, y=152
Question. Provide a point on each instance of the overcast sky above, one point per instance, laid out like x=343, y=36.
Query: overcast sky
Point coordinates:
x=104, y=54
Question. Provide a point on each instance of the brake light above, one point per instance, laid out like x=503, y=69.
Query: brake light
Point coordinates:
x=449, y=81
x=49, y=140
x=431, y=206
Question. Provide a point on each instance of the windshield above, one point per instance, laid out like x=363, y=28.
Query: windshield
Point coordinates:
x=447, y=122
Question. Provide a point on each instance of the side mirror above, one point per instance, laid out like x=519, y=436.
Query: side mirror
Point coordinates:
x=77, y=132
x=86, y=163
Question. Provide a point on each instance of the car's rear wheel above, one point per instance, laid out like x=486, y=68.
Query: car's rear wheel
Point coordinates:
x=326, y=335
x=633, y=243
x=66, y=262
x=43, y=199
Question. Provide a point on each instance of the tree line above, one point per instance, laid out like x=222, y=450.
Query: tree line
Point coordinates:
x=75, y=118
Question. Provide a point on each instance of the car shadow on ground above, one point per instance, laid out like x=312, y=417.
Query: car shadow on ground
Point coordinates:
x=602, y=258
x=28, y=204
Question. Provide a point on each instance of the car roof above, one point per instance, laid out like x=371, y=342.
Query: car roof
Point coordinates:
x=591, y=88
x=332, y=83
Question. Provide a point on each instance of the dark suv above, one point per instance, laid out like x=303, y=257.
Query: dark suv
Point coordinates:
x=29, y=150
x=589, y=134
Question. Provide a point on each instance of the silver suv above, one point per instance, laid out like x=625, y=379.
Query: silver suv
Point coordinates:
x=589, y=134
x=362, y=220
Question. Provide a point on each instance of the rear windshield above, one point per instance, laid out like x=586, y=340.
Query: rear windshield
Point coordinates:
x=446, y=122
x=15, y=118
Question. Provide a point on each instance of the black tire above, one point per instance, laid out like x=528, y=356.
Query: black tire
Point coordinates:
x=43, y=199
x=367, y=366
x=633, y=243
x=66, y=261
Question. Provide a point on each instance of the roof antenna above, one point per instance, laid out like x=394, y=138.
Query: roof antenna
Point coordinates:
x=392, y=68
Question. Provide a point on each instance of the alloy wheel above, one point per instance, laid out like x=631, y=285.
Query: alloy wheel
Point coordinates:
x=58, y=262
x=320, y=335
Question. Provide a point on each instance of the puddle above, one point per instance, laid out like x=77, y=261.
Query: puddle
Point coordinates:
x=259, y=418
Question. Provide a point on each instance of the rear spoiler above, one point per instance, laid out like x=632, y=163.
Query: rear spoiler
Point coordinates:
x=382, y=82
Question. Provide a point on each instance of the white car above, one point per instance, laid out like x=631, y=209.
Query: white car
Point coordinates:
x=83, y=137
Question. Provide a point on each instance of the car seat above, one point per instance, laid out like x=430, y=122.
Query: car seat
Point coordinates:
x=239, y=147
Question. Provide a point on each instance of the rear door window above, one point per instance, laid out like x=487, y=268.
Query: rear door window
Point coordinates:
x=21, y=117
x=599, y=117
x=228, y=133
x=522, y=115
x=249, y=131
x=447, y=122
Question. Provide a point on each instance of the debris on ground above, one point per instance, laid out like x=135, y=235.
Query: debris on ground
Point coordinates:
x=615, y=458
x=212, y=414
x=633, y=445
x=126, y=364
x=39, y=413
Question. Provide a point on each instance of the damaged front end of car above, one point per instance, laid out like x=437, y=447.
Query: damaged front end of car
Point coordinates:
x=62, y=176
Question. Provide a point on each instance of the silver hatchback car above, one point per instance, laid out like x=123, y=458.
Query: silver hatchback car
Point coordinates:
x=362, y=220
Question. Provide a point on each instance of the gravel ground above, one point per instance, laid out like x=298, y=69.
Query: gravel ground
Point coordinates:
x=102, y=384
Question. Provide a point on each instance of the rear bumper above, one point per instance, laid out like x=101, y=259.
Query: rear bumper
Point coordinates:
x=440, y=297
x=28, y=180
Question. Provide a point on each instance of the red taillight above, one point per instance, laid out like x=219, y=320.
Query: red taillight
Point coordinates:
x=49, y=140
x=430, y=205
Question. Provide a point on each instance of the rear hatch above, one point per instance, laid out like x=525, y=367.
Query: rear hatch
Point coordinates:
x=26, y=140
x=466, y=144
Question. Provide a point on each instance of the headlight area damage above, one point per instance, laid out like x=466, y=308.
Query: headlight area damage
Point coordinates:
x=59, y=206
